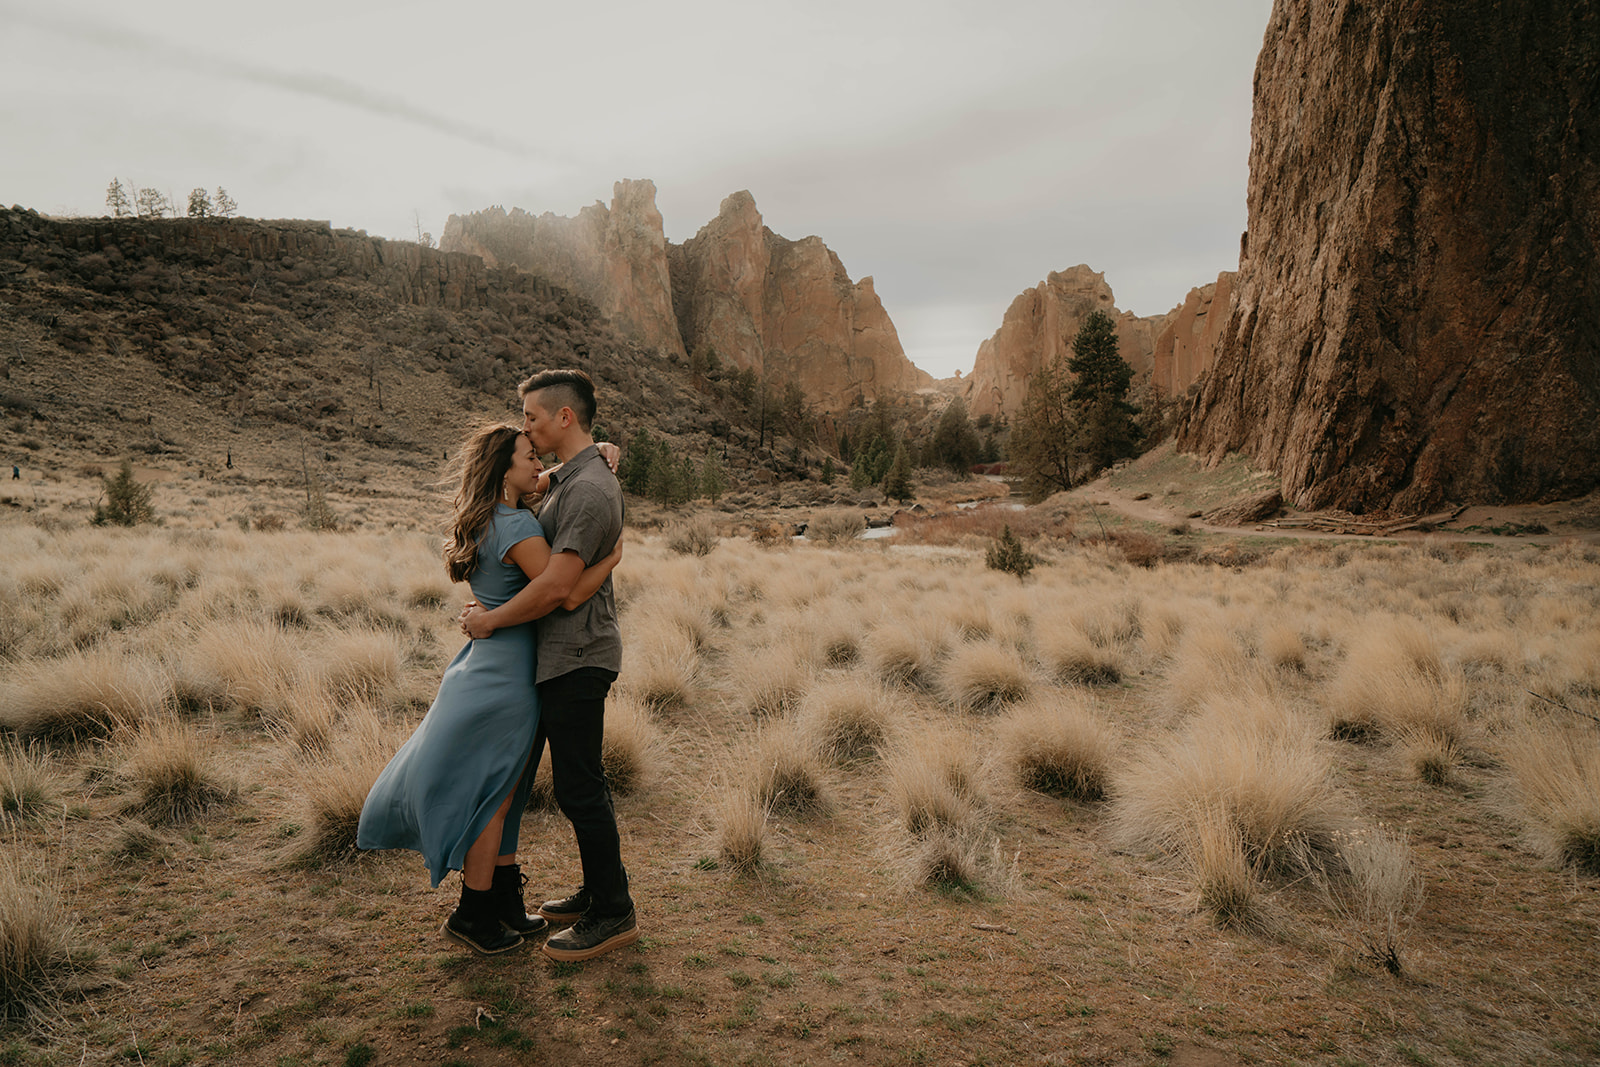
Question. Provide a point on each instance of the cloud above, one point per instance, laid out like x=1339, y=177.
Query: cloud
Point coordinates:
x=316, y=86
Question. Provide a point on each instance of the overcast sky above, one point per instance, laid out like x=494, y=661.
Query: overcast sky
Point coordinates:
x=956, y=152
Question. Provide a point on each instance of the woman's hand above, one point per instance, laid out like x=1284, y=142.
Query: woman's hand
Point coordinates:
x=610, y=453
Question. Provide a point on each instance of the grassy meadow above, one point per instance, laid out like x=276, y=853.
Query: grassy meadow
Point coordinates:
x=1336, y=804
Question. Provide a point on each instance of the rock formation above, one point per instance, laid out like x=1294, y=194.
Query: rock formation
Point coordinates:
x=1416, y=317
x=615, y=257
x=785, y=309
x=1039, y=327
x=1187, y=345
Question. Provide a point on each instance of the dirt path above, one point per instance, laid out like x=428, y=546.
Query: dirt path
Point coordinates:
x=1150, y=509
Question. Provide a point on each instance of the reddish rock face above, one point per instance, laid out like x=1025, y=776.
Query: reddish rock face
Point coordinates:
x=787, y=309
x=1187, y=346
x=1416, y=317
x=1039, y=327
x=615, y=257
x=782, y=308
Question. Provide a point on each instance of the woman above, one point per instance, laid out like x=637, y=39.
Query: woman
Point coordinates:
x=456, y=789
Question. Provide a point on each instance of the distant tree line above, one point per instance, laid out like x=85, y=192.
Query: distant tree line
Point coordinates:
x=147, y=202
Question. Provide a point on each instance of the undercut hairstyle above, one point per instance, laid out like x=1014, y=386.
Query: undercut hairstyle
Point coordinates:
x=567, y=389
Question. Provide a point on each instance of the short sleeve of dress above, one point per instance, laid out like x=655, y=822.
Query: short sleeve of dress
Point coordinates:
x=513, y=527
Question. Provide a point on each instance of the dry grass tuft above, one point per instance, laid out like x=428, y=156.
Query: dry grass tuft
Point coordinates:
x=1252, y=760
x=948, y=859
x=768, y=682
x=80, y=696
x=1211, y=662
x=631, y=749
x=1283, y=646
x=240, y=663
x=362, y=664
x=1381, y=693
x=984, y=676
x=902, y=655
x=1224, y=883
x=935, y=781
x=335, y=785
x=38, y=951
x=847, y=719
x=1555, y=773
x=170, y=765
x=1073, y=659
x=741, y=830
x=1433, y=757
x=787, y=776
x=1378, y=890
x=1057, y=744
x=26, y=780
x=660, y=666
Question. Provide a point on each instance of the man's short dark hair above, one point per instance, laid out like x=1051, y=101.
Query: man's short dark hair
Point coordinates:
x=569, y=388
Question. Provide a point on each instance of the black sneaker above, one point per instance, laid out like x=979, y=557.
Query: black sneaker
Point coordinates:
x=567, y=909
x=591, y=936
x=508, y=902
x=483, y=934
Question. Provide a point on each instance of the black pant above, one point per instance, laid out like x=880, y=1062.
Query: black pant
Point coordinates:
x=572, y=717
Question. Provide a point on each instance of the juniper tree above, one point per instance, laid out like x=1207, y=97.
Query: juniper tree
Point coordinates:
x=127, y=503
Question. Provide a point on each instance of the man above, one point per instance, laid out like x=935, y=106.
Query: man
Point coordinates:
x=579, y=655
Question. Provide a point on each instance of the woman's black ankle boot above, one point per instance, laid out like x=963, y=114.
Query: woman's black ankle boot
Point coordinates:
x=476, y=924
x=509, y=906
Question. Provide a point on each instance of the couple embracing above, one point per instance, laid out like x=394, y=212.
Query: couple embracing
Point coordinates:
x=457, y=789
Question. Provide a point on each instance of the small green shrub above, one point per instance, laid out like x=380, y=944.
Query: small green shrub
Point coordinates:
x=1008, y=555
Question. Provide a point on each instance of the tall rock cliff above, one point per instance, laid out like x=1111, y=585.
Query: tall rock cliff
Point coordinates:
x=1038, y=328
x=1416, y=317
x=1187, y=346
x=615, y=257
x=787, y=309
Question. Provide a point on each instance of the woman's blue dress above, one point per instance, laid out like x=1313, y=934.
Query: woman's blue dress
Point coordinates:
x=440, y=790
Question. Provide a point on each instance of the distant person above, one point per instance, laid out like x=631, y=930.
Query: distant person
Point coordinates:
x=580, y=653
x=230, y=459
x=456, y=790
x=16, y=473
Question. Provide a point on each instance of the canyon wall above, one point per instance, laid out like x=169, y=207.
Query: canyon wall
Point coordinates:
x=615, y=257
x=1416, y=316
x=1038, y=328
x=785, y=309
x=1187, y=345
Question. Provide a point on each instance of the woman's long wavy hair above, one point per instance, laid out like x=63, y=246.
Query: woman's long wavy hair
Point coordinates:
x=481, y=464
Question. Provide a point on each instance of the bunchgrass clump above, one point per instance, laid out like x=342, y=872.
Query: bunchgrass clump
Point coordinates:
x=1555, y=776
x=768, y=683
x=1071, y=658
x=741, y=830
x=787, y=775
x=983, y=676
x=81, y=696
x=1224, y=883
x=661, y=666
x=1432, y=756
x=362, y=664
x=1057, y=744
x=170, y=767
x=27, y=783
x=335, y=785
x=39, y=953
x=902, y=655
x=934, y=781
x=847, y=719
x=631, y=749
x=1249, y=759
x=1376, y=891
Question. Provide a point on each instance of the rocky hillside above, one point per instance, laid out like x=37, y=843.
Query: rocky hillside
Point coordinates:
x=195, y=344
x=1416, y=317
x=786, y=309
x=1187, y=345
x=1038, y=328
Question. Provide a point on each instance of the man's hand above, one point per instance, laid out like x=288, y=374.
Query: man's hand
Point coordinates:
x=474, y=621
